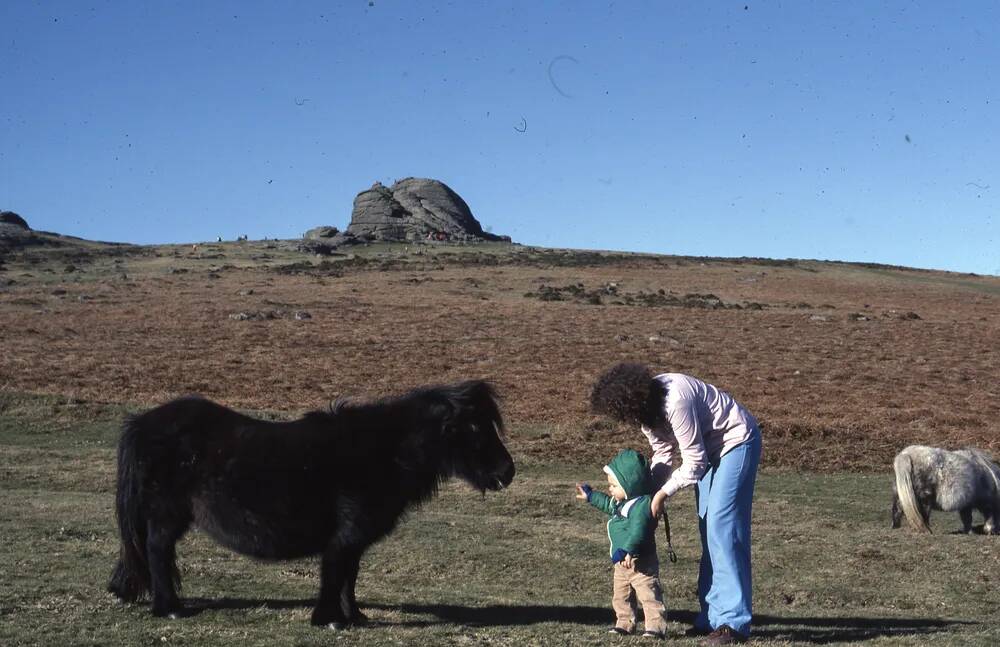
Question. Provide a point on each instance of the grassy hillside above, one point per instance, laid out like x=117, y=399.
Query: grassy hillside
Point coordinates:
x=843, y=364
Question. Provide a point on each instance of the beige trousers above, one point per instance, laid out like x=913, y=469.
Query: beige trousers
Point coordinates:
x=644, y=579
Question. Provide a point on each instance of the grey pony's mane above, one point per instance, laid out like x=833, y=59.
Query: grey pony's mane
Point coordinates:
x=903, y=467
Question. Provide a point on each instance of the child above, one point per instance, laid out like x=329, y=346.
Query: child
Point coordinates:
x=633, y=546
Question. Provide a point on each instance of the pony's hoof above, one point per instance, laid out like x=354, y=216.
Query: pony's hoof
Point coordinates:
x=328, y=619
x=359, y=618
x=169, y=611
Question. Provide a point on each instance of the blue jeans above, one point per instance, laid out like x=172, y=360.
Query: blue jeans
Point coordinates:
x=724, y=497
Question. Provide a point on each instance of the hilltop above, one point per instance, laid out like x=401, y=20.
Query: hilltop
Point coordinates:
x=842, y=363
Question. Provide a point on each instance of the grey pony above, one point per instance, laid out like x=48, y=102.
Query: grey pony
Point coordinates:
x=929, y=478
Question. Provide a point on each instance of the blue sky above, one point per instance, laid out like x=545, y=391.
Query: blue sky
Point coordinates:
x=858, y=131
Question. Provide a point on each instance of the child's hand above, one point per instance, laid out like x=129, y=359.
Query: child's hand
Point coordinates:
x=624, y=558
x=583, y=491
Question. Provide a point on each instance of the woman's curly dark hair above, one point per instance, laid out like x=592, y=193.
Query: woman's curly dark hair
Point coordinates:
x=628, y=393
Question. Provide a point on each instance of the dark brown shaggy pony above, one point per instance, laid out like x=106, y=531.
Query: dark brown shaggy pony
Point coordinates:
x=331, y=483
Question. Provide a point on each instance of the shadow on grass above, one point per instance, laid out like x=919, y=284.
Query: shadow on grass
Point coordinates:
x=975, y=530
x=195, y=606
x=497, y=615
x=822, y=630
x=810, y=629
x=819, y=630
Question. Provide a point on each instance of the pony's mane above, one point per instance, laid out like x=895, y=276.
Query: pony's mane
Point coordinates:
x=477, y=394
x=987, y=463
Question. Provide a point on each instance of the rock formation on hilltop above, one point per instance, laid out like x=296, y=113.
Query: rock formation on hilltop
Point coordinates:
x=15, y=232
x=318, y=233
x=415, y=209
x=412, y=209
x=11, y=218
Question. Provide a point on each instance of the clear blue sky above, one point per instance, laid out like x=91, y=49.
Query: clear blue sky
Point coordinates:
x=858, y=131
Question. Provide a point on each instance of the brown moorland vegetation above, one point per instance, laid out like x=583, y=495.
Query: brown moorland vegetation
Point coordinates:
x=843, y=364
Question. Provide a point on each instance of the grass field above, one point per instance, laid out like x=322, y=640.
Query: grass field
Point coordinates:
x=524, y=566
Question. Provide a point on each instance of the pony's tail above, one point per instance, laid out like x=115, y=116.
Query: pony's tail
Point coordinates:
x=130, y=579
x=903, y=466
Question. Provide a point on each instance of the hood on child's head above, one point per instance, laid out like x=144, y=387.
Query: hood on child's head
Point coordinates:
x=631, y=471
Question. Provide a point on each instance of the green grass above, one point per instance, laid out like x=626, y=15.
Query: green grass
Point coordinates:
x=525, y=566
x=981, y=283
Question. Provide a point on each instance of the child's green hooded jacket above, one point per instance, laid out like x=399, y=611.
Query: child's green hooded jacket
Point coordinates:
x=631, y=527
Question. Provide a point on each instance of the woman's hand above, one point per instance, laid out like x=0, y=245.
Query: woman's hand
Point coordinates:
x=656, y=505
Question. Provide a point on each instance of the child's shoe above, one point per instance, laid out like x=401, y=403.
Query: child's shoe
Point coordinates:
x=649, y=633
x=619, y=631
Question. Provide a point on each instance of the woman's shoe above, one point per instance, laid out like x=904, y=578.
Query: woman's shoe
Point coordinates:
x=724, y=635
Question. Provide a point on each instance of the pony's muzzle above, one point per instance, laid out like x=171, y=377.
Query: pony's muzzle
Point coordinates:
x=506, y=476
